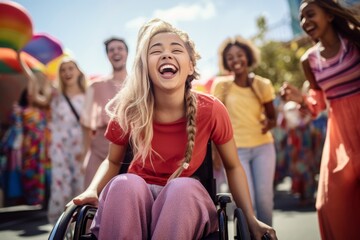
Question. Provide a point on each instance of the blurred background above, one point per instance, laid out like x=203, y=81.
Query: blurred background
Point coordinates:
x=51, y=30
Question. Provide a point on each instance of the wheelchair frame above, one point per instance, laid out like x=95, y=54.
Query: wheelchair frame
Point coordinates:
x=73, y=222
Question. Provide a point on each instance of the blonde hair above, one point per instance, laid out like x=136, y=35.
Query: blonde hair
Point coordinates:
x=133, y=106
x=81, y=79
x=251, y=51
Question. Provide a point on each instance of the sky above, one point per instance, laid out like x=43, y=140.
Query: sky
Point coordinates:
x=83, y=25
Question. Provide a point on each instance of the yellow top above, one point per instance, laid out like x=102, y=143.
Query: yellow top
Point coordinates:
x=246, y=108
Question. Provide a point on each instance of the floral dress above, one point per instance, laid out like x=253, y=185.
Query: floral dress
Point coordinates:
x=35, y=157
x=65, y=148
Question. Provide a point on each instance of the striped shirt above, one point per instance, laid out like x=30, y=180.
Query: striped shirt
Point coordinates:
x=338, y=76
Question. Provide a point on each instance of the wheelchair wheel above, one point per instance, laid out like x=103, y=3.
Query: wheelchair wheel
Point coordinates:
x=223, y=232
x=73, y=223
x=64, y=227
x=241, y=227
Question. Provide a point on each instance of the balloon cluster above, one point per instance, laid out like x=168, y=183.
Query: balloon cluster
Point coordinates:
x=41, y=51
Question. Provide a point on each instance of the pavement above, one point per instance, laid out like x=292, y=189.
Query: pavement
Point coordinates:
x=291, y=220
x=24, y=222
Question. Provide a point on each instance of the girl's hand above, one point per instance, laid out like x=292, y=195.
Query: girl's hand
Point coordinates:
x=268, y=125
x=88, y=197
x=261, y=231
x=291, y=93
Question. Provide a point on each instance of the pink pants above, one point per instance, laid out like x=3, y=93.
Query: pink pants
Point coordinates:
x=129, y=208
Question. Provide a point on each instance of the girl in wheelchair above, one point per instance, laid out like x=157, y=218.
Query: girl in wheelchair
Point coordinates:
x=168, y=126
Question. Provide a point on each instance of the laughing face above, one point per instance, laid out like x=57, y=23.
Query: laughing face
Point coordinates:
x=117, y=54
x=314, y=20
x=168, y=62
x=69, y=73
x=236, y=59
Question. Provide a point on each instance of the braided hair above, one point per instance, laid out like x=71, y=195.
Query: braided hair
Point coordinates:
x=133, y=106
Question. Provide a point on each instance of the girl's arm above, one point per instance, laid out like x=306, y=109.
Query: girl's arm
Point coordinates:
x=239, y=189
x=236, y=177
x=33, y=89
x=87, y=137
x=309, y=74
x=270, y=121
x=31, y=84
x=107, y=170
x=314, y=101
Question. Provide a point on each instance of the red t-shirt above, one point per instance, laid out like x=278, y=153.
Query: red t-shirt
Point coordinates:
x=169, y=141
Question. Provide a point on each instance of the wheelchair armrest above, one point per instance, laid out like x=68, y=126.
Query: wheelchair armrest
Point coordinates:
x=222, y=199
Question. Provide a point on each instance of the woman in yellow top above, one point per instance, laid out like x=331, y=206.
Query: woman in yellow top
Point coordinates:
x=249, y=100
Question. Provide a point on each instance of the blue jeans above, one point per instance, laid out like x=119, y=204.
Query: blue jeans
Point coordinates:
x=259, y=165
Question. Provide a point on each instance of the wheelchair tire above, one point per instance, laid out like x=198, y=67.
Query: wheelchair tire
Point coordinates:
x=60, y=230
x=223, y=233
x=241, y=226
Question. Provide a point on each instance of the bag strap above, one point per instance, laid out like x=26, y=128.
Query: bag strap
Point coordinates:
x=72, y=107
x=251, y=80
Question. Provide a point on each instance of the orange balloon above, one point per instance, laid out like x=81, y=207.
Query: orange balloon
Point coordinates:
x=10, y=64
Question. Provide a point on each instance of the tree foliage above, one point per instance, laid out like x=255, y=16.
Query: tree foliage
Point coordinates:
x=280, y=61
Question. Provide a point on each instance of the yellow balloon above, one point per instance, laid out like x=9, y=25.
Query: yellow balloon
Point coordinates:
x=52, y=67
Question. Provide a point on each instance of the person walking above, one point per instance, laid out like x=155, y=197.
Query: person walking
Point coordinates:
x=332, y=66
x=93, y=118
x=65, y=152
x=249, y=100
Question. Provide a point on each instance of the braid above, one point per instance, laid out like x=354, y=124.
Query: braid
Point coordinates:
x=190, y=100
x=191, y=121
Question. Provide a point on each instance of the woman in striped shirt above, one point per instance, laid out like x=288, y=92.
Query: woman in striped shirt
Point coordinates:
x=332, y=67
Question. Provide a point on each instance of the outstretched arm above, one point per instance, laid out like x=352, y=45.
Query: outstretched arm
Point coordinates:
x=107, y=170
x=239, y=189
x=33, y=88
x=314, y=100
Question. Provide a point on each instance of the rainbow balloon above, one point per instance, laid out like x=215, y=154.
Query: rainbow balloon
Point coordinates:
x=16, y=27
x=44, y=48
x=10, y=64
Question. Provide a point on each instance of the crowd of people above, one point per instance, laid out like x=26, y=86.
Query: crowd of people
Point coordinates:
x=68, y=140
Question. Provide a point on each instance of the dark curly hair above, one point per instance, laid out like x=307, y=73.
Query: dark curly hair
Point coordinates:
x=346, y=22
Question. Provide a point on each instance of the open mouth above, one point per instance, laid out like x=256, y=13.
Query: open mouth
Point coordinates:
x=168, y=68
x=237, y=66
x=309, y=29
x=117, y=58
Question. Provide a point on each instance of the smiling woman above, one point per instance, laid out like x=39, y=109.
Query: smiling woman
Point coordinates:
x=168, y=127
x=332, y=68
x=249, y=100
x=65, y=151
x=169, y=65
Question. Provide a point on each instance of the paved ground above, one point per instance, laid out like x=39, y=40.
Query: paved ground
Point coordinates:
x=291, y=221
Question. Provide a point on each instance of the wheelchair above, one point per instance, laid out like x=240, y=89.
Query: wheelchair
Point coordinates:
x=75, y=221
